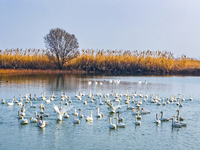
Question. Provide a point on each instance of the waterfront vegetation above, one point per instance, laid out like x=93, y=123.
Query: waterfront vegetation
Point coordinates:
x=99, y=61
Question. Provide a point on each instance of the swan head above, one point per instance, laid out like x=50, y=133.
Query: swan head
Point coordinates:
x=31, y=118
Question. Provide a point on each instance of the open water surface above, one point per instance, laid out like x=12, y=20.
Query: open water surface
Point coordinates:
x=97, y=135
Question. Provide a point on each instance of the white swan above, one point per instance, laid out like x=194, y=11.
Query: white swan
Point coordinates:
x=48, y=100
x=80, y=115
x=157, y=121
x=99, y=115
x=19, y=115
x=100, y=103
x=137, y=122
x=138, y=115
x=179, y=118
x=89, y=119
x=120, y=118
x=164, y=103
x=61, y=112
x=134, y=113
x=33, y=120
x=112, y=126
x=75, y=113
x=40, y=122
x=35, y=98
x=65, y=115
x=191, y=99
x=3, y=101
x=32, y=106
x=143, y=111
x=168, y=101
x=163, y=119
x=23, y=121
x=45, y=114
x=85, y=102
x=10, y=104
x=76, y=121
x=119, y=124
x=175, y=125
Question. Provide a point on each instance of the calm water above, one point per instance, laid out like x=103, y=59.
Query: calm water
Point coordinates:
x=97, y=135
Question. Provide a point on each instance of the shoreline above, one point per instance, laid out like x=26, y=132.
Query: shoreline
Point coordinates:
x=185, y=72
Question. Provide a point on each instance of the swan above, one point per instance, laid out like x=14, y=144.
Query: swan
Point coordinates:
x=129, y=107
x=164, y=103
x=112, y=126
x=134, y=113
x=89, y=119
x=61, y=112
x=32, y=106
x=66, y=103
x=76, y=121
x=139, y=82
x=45, y=114
x=140, y=95
x=89, y=82
x=10, y=104
x=69, y=98
x=119, y=124
x=163, y=119
x=157, y=121
x=33, y=120
x=183, y=99
x=75, y=113
x=137, y=122
x=19, y=115
x=52, y=99
x=120, y=118
x=41, y=106
x=43, y=96
x=85, y=102
x=119, y=106
x=63, y=98
x=179, y=118
x=80, y=115
x=111, y=108
x=138, y=115
x=180, y=105
x=40, y=122
x=142, y=111
x=53, y=95
x=168, y=101
x=35, y=98
x=99, y=115
x=191, y=99
x=175, y=125
x=48, y=100
x=23, y=121
x=3, y=101
x=100, y=103
x=65, y=115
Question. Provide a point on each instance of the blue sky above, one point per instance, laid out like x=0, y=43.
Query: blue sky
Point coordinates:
x=171, y=25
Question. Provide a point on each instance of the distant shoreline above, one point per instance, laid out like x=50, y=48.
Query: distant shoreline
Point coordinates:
x=184, y=72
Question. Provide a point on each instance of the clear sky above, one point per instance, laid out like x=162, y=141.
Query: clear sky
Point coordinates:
x=171, y=25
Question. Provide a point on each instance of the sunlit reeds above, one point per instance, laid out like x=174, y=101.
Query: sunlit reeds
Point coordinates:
x=106, y=61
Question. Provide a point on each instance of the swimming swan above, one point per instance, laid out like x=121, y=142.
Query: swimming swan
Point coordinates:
x=119, y=124
x=89, y=119
x=112, y=126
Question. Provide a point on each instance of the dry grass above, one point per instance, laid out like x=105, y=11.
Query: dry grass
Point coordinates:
x=34, y=61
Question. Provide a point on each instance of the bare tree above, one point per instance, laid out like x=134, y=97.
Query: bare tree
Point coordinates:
x=61, y=46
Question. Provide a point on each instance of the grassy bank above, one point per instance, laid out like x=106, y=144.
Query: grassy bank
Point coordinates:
x=100, y=61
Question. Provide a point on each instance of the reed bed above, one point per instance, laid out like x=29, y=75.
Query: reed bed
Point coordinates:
x=31, y=61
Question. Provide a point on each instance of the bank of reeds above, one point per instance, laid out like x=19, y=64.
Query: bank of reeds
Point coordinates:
x=104, y=61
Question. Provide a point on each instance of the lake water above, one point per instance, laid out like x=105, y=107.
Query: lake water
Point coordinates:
x=97, y=135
